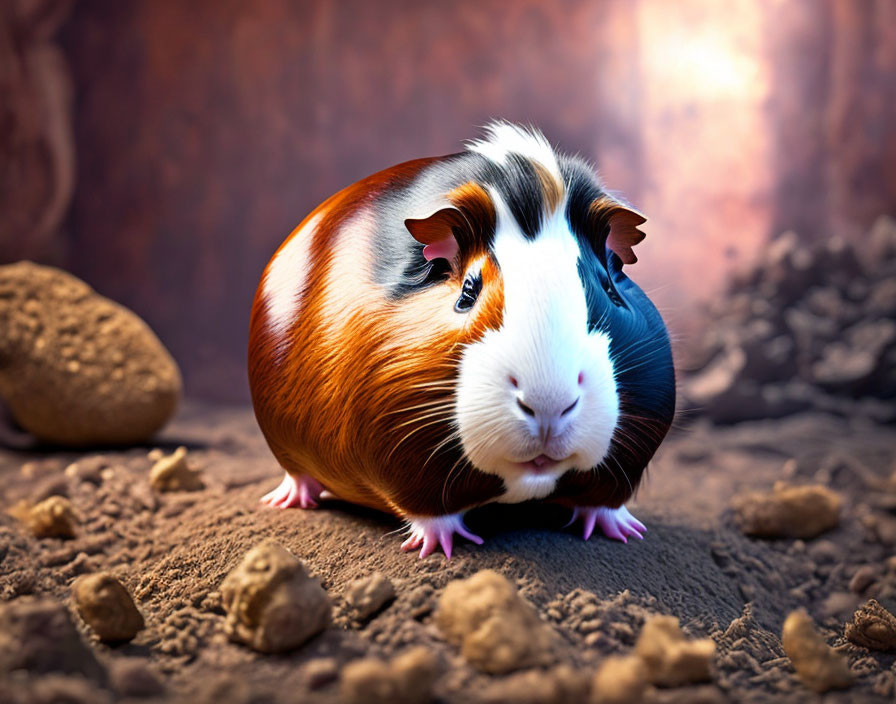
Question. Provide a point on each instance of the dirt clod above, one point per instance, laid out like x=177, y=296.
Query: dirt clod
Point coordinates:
x=107, y=607
x=79, y=369
x=819, y=666
x=497, y=630
x=173, y=473
x=788, y=511
x=672, y=660
x=406, y=679
x=272, y=604
x=872, y=627
x=620, y=680
x=320, y=672
x=368, y=595
x=53, y=517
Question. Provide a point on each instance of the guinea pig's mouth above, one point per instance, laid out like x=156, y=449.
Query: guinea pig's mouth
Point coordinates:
x=540, y=464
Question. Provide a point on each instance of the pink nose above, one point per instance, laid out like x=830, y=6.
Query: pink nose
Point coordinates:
x=549, y=418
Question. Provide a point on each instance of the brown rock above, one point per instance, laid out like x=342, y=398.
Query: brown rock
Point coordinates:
x=320, y=672
x=872, y=627
x=76, y=368
x=670, y=659
x=37, y=635
x=818, y=665
x=88, y=469
x=620, y=680
x=497, y=630
x=559, y=685
x=173, y=473
x=406, y=679
x=51, y=518
x=272, y=604
x=368, y=595
x=788, y=511
x=107, y=607
x=864, y=577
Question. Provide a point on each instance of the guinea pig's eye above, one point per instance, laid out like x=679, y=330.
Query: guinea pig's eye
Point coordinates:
x=612, y=294
x=469, y=293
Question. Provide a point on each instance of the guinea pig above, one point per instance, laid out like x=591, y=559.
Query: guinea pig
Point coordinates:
x=460, y=330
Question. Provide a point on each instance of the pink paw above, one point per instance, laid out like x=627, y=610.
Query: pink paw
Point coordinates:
x=293, y=491
x=440, y=530
x=616, y=523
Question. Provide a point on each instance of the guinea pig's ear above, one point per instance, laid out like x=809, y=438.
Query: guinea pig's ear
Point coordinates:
x=438, y=232
x=623, y=222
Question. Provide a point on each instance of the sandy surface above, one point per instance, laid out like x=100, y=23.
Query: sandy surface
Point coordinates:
x=173, y=550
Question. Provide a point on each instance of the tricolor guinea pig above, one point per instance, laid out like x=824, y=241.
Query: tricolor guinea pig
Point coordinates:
x=460, y=330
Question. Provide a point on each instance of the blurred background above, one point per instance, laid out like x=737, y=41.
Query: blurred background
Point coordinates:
x=162, y=150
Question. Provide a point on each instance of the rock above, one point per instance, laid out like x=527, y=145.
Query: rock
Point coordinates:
x=559, y=685
x=406, y=679
x=819, y=666
x=670, y=659
x=368, y=595
x=51, y=518
x=497, y=630
x=133, y=677
x=107, y=607
x=88, y=469
x=719, y=377
x=77, y=369
x=173, y=473
x=864, y=577
x=788, y=511
x=272, y=605
x=37, y=635
x=850, y=364
x=872, y=627
x=620, y=680
x=320, y=672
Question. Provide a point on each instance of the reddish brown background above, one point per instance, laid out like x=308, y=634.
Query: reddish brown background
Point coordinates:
x=204, y=131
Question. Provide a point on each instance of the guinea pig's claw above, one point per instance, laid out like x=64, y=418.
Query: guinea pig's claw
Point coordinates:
x=615, y=523
x=431, y=533
x=301, y=491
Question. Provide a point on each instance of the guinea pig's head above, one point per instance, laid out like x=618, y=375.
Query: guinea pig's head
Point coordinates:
x=564, y=363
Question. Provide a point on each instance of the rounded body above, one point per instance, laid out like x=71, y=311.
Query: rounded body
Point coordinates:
x=458, y=330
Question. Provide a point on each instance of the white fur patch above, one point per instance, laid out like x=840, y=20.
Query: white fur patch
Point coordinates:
x=285, y=277
x=543, y=345
x=504, y=138
x=347, y=287
x=527, y=487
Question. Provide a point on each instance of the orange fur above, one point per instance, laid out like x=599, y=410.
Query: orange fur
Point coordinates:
x=364, y=404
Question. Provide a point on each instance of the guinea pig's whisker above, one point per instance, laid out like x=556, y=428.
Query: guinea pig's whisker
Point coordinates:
x=437, y=402
x=455, y=435
x=444, y=412
x=654, y=347
x=450, y=478
x=434, y=385
x=415, y=430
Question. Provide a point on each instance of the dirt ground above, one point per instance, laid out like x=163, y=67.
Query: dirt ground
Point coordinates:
x=173, y=550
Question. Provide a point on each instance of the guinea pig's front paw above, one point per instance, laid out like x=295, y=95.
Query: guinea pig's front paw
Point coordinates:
x=301, y=491
x=433, y=531
x=616, y=523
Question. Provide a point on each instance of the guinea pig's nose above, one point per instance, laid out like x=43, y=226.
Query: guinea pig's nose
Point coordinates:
x=550, y=418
